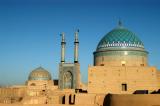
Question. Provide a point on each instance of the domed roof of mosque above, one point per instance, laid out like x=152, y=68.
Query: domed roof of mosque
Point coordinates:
x=120, y=37
x=39, y=74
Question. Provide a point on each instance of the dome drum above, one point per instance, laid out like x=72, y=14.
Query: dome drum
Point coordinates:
x=116, y=58
x=121, y=53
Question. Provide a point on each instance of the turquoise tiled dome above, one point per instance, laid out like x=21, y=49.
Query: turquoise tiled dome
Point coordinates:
x=39, y=74
x=118, y=46
x=120, y=37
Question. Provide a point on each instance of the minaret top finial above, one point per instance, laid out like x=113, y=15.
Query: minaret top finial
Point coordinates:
x=120, y=23
x=77, y=30
x=63, y=36
x=76, y=35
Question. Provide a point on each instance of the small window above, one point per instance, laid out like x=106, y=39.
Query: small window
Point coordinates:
x=124, y=87
x=142, y=64
x=102, y=64
x=123, y=64
x=33, y=84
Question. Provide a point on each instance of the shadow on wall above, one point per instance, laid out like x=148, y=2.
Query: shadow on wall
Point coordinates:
x=107, y=100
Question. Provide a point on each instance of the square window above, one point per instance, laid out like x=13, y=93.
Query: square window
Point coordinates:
x=124, y=87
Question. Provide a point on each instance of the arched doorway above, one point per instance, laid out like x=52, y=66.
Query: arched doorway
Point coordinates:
x=68, y=80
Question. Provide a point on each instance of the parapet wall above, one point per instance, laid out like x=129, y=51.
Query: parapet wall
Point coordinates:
x=42, y=105
x=105, y=100
x=132, y=100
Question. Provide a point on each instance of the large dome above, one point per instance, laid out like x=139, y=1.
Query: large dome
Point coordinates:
x=120, y=47
x=120, y=38
x=39, y=74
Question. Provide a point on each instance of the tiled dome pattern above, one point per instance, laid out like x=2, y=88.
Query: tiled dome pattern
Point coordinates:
x=120, y=37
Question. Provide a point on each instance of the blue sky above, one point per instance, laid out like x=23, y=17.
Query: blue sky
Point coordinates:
x=29, y=32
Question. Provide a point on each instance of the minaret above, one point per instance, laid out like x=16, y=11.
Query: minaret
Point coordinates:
x=63, y=44
x=69, y=73
x=76, y=43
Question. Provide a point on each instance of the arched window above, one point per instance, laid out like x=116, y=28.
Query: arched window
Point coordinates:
x=68, y=80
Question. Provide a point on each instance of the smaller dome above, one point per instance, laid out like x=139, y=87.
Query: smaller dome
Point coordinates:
x=39, y=74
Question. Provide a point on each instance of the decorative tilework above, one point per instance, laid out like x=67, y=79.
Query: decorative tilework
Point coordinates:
x=121, y=53
x=39, y=74
x=120, y=37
